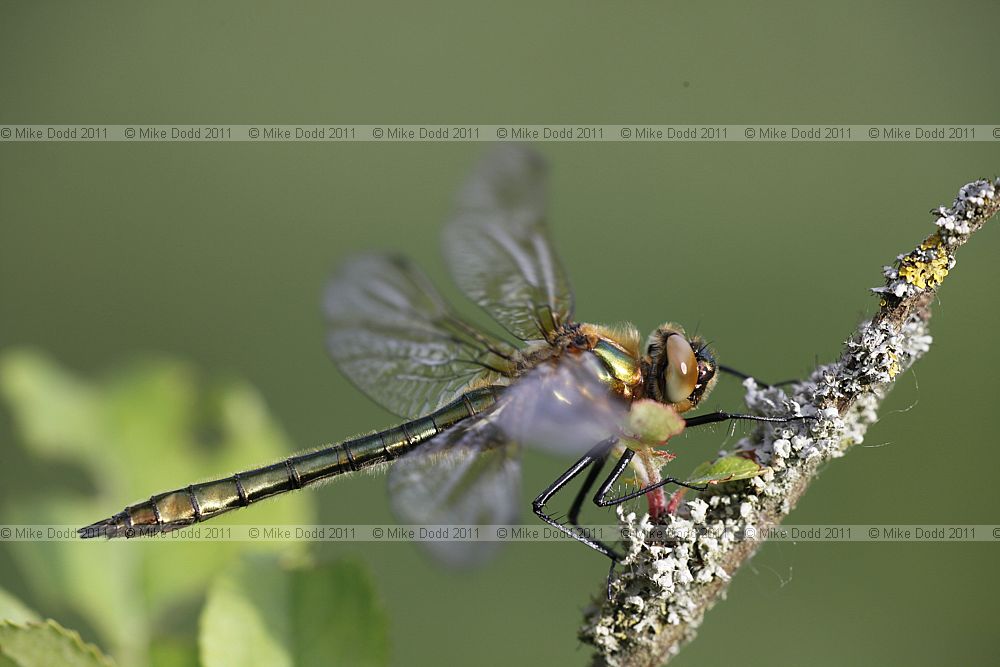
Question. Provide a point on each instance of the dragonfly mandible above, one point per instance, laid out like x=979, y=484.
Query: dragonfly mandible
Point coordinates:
x=472, y=398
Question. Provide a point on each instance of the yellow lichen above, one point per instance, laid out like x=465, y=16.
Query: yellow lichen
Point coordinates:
x=893, y=365
x=924, y=273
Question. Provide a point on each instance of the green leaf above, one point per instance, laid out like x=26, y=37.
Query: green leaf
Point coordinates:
x=245, y=619
x=150, y=426
x=46, y=645
x=12, y=609
x=726, y=469
x=338, y=618
x=267, y=615
x=177, y=651
x=55, y=412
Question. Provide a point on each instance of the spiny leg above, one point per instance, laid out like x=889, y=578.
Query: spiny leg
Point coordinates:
x=596, y=454
x=574, y=513
x=715, y=417
x=588, y=483
x=743, y=376
x=601, y=499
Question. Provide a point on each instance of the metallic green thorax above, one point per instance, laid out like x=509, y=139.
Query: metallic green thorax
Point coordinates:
x=622, y=368
x=199, y=502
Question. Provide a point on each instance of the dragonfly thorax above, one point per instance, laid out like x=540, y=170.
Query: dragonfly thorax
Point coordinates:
x=676, y=369
x=616, y=349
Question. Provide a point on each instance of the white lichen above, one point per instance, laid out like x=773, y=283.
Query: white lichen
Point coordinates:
x=668, y=565
x=967, y=207
x=676, y=569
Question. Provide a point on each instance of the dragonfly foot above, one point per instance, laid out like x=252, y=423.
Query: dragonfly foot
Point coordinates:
x=611, y=574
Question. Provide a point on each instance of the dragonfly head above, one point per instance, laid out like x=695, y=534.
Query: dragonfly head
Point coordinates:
x=679, y=370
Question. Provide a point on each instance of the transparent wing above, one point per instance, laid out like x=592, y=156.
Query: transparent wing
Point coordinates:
x=468, y=475
x=498, y=248
x=394, y=337
x=561, y=406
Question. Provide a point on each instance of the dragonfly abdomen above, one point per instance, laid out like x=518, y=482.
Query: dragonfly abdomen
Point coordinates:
x=199, y=502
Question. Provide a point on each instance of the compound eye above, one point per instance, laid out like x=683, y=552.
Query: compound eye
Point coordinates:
x=681, y=373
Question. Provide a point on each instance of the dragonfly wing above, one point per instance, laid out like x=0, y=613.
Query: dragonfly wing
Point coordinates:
x=498, y=249
x=395, y=338
x=470, y=476
x=561, y=406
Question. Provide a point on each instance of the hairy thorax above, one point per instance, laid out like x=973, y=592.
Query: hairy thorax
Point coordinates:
x=617, y=348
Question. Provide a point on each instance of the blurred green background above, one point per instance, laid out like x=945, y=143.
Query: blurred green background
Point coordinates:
x=216, y=255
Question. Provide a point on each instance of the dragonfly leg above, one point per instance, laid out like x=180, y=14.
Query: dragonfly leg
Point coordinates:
x=743, y=376
x=715, y=417
x=597, y=454
x=601, y=499
x=588, y=483
x=574, y=510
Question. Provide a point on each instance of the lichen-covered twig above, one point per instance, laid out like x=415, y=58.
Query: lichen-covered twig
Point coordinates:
x=677, y=569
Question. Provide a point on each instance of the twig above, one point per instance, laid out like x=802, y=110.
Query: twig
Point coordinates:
x=675, y=571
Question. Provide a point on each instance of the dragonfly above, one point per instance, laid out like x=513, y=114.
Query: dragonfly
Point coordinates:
x=470, y=398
